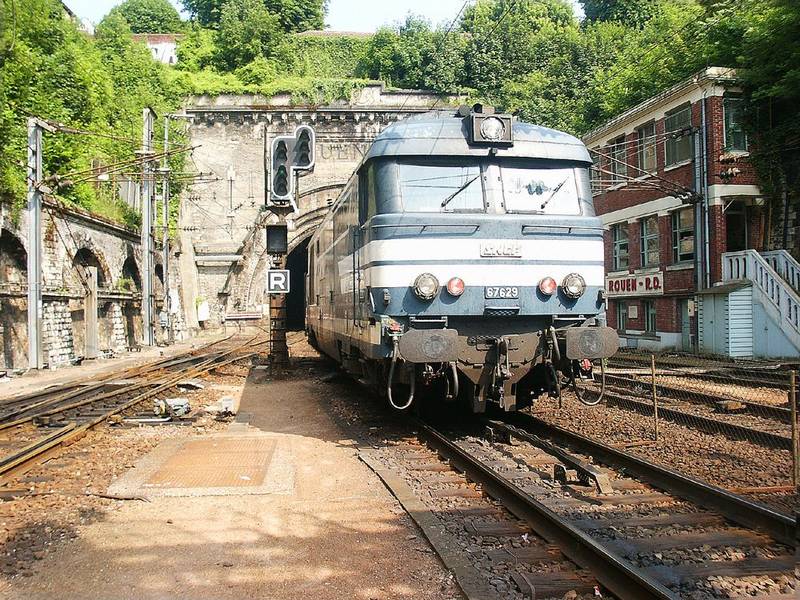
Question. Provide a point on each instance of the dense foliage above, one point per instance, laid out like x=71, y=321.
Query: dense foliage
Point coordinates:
x=531, y=57
x=52, y=70
x=293, y=15
x=149, y=16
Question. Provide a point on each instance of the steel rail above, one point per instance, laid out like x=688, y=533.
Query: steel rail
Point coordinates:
x=675, y=392
x=74, y=389
x=736, y=508
x=617, y=575
x=775, y=378
x=707, y=424
x=26, y=457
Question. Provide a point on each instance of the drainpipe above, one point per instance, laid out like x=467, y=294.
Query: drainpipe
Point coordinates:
x=706, y=200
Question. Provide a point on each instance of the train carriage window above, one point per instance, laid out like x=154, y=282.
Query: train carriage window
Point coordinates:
x=368, y=193
x=540, y=190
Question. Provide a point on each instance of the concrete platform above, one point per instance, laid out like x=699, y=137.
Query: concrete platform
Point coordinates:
x=330, y=531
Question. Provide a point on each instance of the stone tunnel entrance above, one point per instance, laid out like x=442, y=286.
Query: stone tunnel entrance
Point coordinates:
x=297, y=263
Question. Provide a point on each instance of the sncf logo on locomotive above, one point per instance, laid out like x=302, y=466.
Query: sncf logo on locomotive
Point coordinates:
x=501, y=248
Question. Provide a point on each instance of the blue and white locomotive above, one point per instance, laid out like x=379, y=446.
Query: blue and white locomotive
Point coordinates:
x=463, y=260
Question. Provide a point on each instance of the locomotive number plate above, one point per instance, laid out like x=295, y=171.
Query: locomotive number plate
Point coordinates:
x=501, y=292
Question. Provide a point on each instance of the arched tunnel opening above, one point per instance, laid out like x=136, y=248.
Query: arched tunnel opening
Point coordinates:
x=297, y=263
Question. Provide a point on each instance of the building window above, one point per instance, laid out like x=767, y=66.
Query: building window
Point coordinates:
x=619, y=160
x=622, y=315
x=679, y=141
x=619, y=235
x=683, y=235
x=649, y=309
x=649, y=227
x=735, y=136
x=646, y=147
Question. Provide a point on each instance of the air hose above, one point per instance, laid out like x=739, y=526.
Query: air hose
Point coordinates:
x=395, y=352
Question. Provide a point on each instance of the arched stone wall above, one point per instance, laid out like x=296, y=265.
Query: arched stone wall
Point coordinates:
x=13, y=304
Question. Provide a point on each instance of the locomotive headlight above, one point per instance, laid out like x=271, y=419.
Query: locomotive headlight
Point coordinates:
x=493, y=129
x=548, y=286
x=426, y=286
x=455, y=287
x=574, y=285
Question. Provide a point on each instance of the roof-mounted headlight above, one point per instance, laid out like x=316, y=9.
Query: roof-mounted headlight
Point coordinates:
x=573, y=285
x=426, y=286
x=492, y=129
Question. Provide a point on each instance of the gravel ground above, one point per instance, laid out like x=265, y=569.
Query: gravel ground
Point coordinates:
x=714, y=458
x=393, y=441
x=65, y=492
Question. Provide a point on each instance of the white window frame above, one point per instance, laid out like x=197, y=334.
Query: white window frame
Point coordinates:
x=674, y=145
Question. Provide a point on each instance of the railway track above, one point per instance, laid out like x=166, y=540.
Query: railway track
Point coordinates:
x=745, y=373
x=608, y=518
x=756, y=429
x=642, y=384
x=72, y=411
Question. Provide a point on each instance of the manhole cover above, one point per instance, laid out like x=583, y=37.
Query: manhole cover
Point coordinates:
x=215, y=463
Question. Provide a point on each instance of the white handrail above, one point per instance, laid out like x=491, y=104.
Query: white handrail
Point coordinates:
x=750, y=265
x=786, y=265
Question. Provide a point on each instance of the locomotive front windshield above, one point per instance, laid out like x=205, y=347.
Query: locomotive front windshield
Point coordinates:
x=523, y=186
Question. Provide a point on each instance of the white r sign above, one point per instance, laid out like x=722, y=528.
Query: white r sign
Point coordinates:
x=278, y=282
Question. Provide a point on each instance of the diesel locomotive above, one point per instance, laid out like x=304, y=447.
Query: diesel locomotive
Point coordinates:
x=463, y=260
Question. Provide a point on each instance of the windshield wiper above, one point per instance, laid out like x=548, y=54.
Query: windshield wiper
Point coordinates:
x=446, y=201
x=555, y=191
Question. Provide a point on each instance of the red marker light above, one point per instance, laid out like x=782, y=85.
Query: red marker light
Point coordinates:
x=548, y=286
x=455, y=287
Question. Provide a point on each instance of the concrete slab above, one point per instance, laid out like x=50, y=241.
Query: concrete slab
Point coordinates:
x=219, y=465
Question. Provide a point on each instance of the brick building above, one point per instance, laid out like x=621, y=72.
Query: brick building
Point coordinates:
x=674, y=187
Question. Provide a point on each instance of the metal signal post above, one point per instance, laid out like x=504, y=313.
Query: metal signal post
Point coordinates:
x=289, y=155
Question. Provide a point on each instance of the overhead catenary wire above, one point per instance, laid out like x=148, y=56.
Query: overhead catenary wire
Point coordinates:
x=676, y=185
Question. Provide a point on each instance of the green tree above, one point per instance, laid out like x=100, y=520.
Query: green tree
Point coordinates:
x=299, y=15
x=413, y=55
x=149, y=16
x=630, y=12
x=247, y=30
x=294, y=15
x=196, y=49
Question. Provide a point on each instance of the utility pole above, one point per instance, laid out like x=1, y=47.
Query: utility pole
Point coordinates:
x=165, y=237
x=34, y=214
x=148, y=118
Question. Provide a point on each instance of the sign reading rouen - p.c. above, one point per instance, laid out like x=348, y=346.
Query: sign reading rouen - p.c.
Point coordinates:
x=649, y=284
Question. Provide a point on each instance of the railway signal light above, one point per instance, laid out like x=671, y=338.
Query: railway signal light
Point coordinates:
x=303, y=151
x=290, y=154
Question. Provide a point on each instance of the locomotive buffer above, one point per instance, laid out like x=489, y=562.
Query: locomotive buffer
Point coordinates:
x=289, y=156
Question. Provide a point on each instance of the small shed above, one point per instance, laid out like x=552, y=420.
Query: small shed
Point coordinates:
x=725, y=319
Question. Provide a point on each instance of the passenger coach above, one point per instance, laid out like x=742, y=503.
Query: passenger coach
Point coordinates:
x=463, y=260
